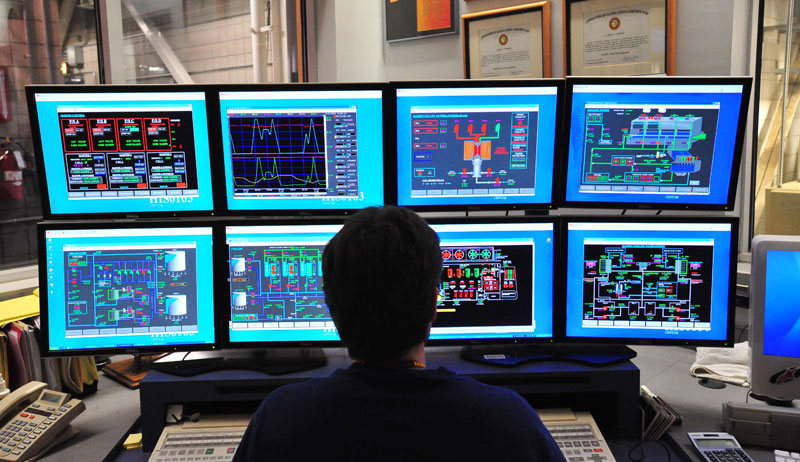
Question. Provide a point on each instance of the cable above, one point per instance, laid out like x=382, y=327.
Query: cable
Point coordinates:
x=744, y=329
x=640, y=447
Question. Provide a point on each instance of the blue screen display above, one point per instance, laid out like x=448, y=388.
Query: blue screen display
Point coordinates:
x=652, y=143
x=781, y=306
x=277, y=295
x=115, y=152
x=475, y=146
x=302, y=150
x=648, y=280
x=128, y=288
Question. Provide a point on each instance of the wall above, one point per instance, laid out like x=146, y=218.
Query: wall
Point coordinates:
x=705, y=39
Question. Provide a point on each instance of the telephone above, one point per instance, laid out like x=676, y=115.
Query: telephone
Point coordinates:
x=577, y=435
x=34, y=419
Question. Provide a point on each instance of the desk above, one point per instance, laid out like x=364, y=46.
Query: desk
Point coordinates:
x=665, y=370
x=605, y=391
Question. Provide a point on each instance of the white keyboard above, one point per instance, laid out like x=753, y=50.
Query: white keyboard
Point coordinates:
x=203, y=444
x=786, y=456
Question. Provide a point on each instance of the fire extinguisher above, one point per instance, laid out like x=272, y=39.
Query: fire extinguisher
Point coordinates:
x=12, y=163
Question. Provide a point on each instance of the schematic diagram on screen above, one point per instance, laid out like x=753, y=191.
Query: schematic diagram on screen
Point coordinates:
x=277, y=284
x=473, y=151
x=131, y=290
x=642, y=285
x=641, y=149
x=129, y=154
x=482, y=284
x=294, y=153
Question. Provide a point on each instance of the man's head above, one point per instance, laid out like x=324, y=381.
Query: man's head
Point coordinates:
x=381, y=273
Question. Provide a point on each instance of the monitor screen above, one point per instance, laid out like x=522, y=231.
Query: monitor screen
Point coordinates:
x=143, y=288
x=275, y=284
x=654, y=142
x=310, y=149
x=489, y=288
x=497, y=282
x=120, y=151
x=655, y=281
x=471, y=145
x=781, y=313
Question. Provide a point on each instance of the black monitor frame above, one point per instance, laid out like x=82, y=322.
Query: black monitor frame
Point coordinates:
x=44, y=226
x=215, y=134
x=222, y=296
x=556, y=283
x=561, y=318
x=746, y=83
x=391, y=151
x=32, y=90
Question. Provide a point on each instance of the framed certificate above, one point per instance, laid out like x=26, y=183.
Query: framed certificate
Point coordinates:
x=619, y=37
x=508, y=42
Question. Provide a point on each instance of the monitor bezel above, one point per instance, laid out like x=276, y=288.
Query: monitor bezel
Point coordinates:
x=390, y=154
x=556, y=294
x=764, y=366
x=561, y=319
x=44, y=226
x=215, y=134
x=638, y=202
x=32, y=90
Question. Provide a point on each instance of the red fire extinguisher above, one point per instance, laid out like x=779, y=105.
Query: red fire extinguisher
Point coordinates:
x=12, y=162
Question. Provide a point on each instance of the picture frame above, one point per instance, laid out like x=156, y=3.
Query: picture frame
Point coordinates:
x=416, y=19
x=511, y=42
x=619, y=37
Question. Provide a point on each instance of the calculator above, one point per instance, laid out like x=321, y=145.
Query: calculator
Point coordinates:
x=719, y=447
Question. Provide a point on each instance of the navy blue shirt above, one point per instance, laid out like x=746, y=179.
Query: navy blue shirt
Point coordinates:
x=368, y=413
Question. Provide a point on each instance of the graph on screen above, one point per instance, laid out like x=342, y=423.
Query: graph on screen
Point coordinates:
x=303, y=153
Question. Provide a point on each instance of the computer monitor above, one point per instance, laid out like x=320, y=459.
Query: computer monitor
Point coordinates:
x=489, y=293
x=775, y=317
x=497, y=281
x=658, y=280
x=132, y=287
x=136, y=150
x=475, y=144
x=274, y=284
x=302, y=149
x=654, y=142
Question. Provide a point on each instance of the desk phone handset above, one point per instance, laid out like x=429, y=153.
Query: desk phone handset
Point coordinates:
x=33, y=419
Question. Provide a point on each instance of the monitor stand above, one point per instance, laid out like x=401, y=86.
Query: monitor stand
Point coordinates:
x=272, y=361
x=513, y=355
x=130, y=372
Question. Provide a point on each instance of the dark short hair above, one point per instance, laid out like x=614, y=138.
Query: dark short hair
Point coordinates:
x=380, y=273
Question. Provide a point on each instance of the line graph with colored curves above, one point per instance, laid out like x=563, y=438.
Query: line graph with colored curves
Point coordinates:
x=279, y=153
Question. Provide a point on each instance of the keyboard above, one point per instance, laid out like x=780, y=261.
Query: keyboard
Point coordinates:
x=198, y=444
x=786, y=456
x=577, y=435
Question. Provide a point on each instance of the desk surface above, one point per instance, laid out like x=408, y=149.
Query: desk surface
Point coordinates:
x=665, y=370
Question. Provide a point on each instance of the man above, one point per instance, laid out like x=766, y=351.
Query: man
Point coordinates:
x=381, y=276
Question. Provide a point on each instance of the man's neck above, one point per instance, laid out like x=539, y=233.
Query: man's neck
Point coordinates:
x=416, y=354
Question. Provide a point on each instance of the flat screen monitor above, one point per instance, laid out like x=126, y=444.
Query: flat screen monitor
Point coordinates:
x=489, y=292
x=122, y=150
x=775, y=316
x=476, y=144
x=654, y=142
x=654, y=281
x=302, y=149
x=145, y=287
